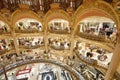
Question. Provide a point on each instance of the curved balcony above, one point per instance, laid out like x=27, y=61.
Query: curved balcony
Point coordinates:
x=3, y=51
x=28, y=26
x=6, y=50
x=117, y=75
x=92, y=62
x=4, y=28
x=92, y=54
x=28, y=31
x=89, y=72
x=74, y=65
x=56, y=47
x=77, y=76
x=66, y=30
x=59, y=44
x=31, y=46
x=87, y=60
x=59, y=26
x=4, y=32
x=30, y=42
x=100, y=38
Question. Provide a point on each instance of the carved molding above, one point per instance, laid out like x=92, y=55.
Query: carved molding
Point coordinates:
x=117, y=75
x=25, y=13
x=56, y=13
x=96, y=5
x=4, y=19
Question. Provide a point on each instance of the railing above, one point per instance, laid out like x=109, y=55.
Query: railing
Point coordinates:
x=100, y=38
x=28, y=31
x=77, y=75
x=92, y=62
x=59, y=47
x=59, y=31
x=102, y=65
x=31, y=47
x=5, y=50
x=4, y=32
x=116, y=76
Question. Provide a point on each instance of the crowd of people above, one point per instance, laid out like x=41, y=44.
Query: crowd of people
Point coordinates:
x=89, y=73
x=31, y=41
x=37, y=54
x=33, y=54
x=3, y=27
x=85, y=50
x=106, y=29
x=8, y=58
x=58, y=27
x=6, y=44
x=59, y=44
x=92, y=52
x=23, y=55
x=30, y=26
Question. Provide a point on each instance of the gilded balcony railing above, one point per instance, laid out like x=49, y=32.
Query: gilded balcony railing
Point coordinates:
x=4, y=32
x=59, y=31
x=91, y=62
x=101, y=38
x=31, y=47
x=28, y=31
x=77, y=76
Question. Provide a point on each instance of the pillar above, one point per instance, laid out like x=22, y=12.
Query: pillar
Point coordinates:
x=72, y=44
x=114, y=63
x=72, y=39
x=15, y=44
x=45, y=37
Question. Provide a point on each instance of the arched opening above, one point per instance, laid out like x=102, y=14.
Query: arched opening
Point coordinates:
x=6, y=42
x=59, y=26
x=92, y=18
x=4, y=28
x=28, y=25
x=97, y=28
x=32, y=44
x=58, y=37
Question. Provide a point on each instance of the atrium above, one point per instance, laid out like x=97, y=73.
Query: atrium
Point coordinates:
x=59, y=39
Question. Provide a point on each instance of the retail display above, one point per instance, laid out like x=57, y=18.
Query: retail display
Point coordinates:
x=59, y=39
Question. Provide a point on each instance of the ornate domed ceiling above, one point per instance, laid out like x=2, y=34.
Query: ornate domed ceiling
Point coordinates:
x=44, y=5
x=88, y=35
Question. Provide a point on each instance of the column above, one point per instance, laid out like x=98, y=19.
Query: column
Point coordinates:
x=45, y=37
x=72, y=40
x=114, y=63
x=15, y=43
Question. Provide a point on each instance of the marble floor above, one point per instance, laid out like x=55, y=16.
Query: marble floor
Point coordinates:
x=39, y=71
